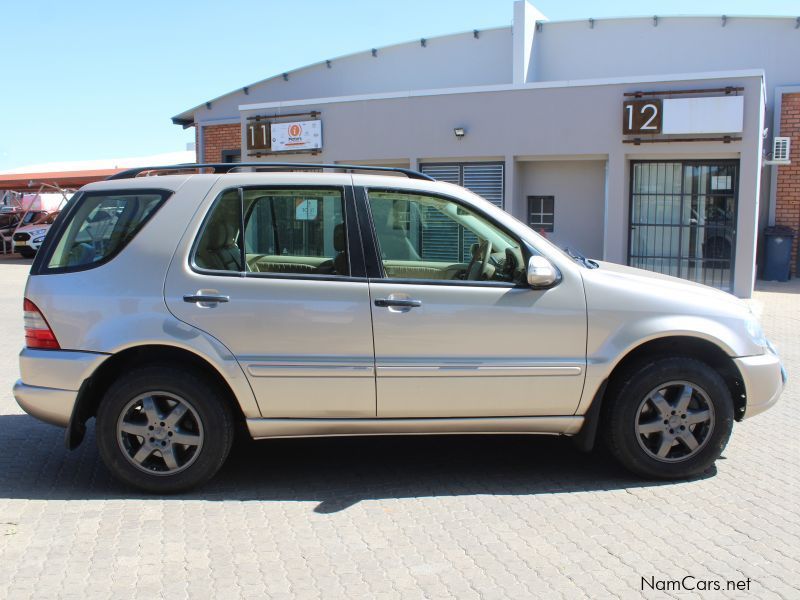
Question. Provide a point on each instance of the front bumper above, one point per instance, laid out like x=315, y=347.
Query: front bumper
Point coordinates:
x=51, y=405
x=764, y=379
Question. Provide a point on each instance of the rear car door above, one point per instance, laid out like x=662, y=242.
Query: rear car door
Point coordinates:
x=276, y=273
x=458, y=332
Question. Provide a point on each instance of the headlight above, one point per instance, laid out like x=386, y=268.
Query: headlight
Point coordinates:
x=755, y=332
x=38, y=240
x=38, y=232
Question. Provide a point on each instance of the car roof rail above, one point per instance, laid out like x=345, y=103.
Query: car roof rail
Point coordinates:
x=228, y=167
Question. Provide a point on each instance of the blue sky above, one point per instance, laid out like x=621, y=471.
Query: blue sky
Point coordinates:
x=87, y=80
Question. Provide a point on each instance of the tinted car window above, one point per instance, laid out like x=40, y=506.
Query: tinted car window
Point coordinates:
x=100, y=225
x=286, y=231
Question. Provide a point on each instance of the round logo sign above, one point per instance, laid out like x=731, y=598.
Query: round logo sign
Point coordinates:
x=295, y=130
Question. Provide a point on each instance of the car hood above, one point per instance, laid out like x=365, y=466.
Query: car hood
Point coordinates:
x=667, y=288
x=29, y=228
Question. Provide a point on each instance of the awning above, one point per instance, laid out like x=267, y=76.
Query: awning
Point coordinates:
x=26, y=182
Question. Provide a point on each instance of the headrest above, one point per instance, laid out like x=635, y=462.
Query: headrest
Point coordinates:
x=339, y=240
x=222, y=232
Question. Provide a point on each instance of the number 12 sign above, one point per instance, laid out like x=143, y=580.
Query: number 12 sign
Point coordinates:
x=641, y=116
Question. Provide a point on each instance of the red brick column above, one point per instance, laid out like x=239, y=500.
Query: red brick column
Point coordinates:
x=217, y=138
x=787, y=196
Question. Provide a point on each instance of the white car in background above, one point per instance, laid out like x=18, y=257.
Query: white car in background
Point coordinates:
x=28, y=238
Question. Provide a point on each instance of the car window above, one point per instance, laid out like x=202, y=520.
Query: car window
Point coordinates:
x=218, y=248
x=434, y=238
x=100, y=225
x=287, y=231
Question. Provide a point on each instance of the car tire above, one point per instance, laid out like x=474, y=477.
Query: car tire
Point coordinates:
x=669, y=418
x=164, y=430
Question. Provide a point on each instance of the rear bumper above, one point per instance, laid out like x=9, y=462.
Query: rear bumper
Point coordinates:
x=51, y=405
x=764, y=379
x=59, y=369
x=51, y=380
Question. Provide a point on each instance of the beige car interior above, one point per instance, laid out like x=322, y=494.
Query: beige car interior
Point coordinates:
x=494, y=256
x=219, y=248
x=401, y=260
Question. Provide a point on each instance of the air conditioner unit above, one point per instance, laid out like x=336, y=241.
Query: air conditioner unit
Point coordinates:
x=780, y=151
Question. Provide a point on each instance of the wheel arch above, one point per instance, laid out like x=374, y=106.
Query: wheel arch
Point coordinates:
x=666, y=346
x=93, y=389
x=689, y=347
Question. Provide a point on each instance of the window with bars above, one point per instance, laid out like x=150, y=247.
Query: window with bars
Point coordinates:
x=541, y=213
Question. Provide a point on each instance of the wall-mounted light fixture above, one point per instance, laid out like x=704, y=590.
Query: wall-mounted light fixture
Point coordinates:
x=460, y=132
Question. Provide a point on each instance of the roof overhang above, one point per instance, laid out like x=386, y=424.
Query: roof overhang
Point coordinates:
x=26, y=182
x=182, y=121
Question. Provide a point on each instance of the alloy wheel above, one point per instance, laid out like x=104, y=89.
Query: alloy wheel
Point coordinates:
x=674, y=421
x=160, y=433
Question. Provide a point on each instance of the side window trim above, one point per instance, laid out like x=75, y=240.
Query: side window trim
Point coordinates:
x=379, y=274
x=355, y=251
x=372, y=254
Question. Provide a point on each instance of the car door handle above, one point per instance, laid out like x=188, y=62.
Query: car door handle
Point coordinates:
x=397, y=302
x=210, y=298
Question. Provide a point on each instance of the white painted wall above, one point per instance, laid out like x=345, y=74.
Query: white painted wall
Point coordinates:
x=449, y=61
x=630, y=47
x=578, y=188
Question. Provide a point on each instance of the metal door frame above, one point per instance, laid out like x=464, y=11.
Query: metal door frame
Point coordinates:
x=735, y=162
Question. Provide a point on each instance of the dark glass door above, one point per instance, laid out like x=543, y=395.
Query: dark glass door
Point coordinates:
x=683, y=219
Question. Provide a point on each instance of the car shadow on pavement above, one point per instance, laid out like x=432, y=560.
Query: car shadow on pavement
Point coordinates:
x=335, y=472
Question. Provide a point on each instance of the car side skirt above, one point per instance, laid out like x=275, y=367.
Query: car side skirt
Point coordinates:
x=283, y=428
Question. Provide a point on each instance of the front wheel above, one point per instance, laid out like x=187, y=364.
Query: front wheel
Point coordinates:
x=164, y=430
x=669, y=419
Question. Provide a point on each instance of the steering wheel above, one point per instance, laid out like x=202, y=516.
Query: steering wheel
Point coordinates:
x=483, y=253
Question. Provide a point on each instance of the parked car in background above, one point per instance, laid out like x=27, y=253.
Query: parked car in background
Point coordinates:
x=28, y=238
x=178, y=310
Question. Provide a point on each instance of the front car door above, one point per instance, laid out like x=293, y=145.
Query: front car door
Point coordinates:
x=288, y=296
x=457, y=331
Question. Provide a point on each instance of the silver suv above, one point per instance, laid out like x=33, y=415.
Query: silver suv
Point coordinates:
x=292, y=304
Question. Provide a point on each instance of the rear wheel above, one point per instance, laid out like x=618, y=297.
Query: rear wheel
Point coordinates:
x=670, y=418
x=164, y=430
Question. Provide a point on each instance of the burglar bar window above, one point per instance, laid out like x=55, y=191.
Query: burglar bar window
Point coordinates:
x=541, y=212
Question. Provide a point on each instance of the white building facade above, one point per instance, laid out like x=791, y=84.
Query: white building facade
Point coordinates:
x=640, y=141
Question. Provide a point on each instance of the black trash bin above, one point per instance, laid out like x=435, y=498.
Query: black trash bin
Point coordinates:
x=777, y=253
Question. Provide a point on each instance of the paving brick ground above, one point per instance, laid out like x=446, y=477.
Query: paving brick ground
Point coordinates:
x=440, y=517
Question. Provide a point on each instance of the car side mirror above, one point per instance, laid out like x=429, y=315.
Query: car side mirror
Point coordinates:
x=541, y=272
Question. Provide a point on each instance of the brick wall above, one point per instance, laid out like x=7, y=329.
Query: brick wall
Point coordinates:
x=217, y=138
x=787, y=197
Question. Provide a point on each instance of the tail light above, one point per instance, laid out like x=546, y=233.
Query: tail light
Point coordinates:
x=37, y=332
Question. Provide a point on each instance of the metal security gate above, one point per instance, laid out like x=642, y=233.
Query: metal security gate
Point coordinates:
x=683, y=219
x=441, y=235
